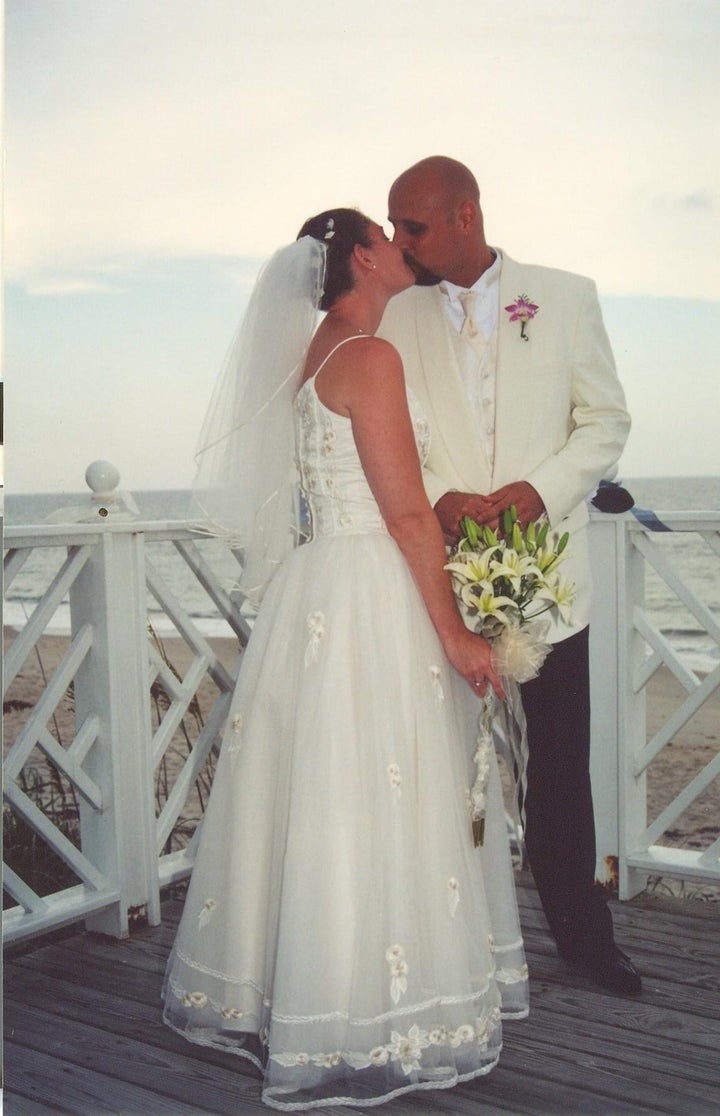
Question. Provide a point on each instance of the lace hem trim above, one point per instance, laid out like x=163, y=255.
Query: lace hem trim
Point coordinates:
x=450, y=1083
x=517, y=944
x=371, y=1102
x=198, y=1000
x=408, y=1009
x=406, y=1050
x=217, y=973
x=502, y=975
x=215, y=1043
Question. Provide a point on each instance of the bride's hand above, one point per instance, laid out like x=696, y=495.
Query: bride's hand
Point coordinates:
x=471, y=656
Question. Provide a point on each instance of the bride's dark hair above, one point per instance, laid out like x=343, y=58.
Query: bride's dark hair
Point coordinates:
x=340, y=230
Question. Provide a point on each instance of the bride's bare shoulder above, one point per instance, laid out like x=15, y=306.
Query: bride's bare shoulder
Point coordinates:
x=363, y=367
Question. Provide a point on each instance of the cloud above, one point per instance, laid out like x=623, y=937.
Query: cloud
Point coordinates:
x=701, y=201
x=56, y=285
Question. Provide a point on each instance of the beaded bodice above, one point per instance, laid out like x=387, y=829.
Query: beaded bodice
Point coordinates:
x=333, y=483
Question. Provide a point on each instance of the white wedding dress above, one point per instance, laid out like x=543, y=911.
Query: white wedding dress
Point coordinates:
x=341, y=930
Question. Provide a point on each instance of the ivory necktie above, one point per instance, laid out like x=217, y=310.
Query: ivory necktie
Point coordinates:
x=470, y=331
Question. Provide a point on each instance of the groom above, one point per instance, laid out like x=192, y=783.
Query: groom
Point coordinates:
x=513, y=368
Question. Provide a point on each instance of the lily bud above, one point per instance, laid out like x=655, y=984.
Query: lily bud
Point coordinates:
x=489, y=537
x=471, y=530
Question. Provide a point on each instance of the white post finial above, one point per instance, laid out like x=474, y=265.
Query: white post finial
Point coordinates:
x=102, y=478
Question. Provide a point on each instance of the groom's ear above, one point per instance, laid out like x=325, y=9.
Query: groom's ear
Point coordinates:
x=467, y=215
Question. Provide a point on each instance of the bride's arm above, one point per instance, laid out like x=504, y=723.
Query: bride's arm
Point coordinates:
x=371, y=387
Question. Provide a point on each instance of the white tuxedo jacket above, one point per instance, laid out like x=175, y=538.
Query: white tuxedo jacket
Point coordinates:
x=560, y=417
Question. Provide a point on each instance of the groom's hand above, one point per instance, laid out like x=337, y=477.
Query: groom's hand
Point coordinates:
x=451, y=508
x=526, y=499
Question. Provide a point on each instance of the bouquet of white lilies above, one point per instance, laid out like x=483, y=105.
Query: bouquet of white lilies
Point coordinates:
x=504, y=581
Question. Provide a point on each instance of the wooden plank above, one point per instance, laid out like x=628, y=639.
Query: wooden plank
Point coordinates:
x=16, y=1105
x=671, y=906
x=638, y=1057
x=98, y=975
x=675, y=937
x=548, y=1079
x=113, y=1013
x=50, y=1082
x=133, y=1065
x=659, y=991
x=522, y=1089
x=146, y=955
x=647, y=1027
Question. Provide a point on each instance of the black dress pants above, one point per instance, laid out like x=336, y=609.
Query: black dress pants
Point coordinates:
x=560, y=825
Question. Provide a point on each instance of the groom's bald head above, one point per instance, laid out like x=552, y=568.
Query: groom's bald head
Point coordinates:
x=443, y=178
x=434, y=207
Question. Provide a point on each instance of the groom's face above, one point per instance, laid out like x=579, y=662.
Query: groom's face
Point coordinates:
x=425, y=230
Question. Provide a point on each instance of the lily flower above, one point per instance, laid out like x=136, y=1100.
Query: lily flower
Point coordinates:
x=546, y=558
x=487, y=604
x=560, y=593
x=515, y=567
x=474, y=566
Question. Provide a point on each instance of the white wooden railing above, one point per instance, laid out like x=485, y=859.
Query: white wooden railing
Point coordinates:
x=626, y=652
x=112, y=664
x=120, y=856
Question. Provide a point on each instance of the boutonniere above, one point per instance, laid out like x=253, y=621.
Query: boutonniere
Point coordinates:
x=523, y=310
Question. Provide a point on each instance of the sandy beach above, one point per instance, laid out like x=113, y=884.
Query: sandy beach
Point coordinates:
x=692, y=748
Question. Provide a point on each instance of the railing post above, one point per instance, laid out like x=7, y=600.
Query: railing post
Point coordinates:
x=630, y=577
x=618, y=711
x=109, y=594
x=603, y=533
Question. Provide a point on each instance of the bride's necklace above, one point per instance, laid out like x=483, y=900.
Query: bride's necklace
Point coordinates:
x=352, y=325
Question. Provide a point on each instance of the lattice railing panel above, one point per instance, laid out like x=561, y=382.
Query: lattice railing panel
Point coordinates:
x=184, y=737
x=682, y=836
x=43, y=772
x=180, y=737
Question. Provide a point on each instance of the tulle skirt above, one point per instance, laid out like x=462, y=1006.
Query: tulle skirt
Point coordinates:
x=341, y=930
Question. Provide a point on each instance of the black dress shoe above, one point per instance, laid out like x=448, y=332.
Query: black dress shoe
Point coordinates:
x=614, y=971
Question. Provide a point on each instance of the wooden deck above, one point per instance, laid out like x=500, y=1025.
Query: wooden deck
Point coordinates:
x=83, y=1033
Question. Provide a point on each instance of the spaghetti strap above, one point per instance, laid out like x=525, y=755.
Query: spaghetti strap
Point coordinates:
x=323, y=362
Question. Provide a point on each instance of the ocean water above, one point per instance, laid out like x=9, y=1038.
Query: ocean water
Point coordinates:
x=699, y=565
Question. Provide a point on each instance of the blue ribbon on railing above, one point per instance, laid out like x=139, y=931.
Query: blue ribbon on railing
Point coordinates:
x=650, y=520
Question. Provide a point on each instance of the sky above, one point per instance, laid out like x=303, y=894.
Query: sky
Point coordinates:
x=156, y=151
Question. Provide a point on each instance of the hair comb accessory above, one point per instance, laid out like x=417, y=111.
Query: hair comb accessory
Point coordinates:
x=330, y=229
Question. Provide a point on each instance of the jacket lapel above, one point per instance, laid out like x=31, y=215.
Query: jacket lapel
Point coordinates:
x=515, y=359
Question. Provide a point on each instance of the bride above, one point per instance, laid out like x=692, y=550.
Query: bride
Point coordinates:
x=341, y=930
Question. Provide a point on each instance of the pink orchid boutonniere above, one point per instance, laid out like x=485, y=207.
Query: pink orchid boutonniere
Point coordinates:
x=523, y=310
